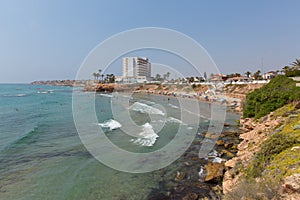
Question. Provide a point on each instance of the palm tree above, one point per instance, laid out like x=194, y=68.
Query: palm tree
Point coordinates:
x=100, y=72
x=286, y=69
x=167, y=75
x=95, y=76
x=296, y=64
x=158, y=77
x=257, y=75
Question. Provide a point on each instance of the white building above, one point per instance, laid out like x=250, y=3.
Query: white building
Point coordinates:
x=135, y=69
x=269, y=75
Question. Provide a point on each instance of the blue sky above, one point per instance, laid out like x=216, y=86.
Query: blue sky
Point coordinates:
x=41, y=40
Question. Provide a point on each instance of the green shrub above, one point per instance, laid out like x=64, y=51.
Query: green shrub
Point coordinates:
x=278, y=92
x=293, y=73
x=277, y=143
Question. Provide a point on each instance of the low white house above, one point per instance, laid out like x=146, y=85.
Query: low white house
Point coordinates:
x=269, y=75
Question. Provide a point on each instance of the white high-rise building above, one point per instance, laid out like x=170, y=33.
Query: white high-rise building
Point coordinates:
x=136, y=69
x=136, y=66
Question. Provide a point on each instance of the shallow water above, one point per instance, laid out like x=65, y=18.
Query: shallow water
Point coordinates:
x=42, y=157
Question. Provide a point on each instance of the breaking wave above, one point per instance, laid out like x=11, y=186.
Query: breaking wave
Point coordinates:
x=174, y=120
x=144, y=108
x=147, y=136
x=111, y=124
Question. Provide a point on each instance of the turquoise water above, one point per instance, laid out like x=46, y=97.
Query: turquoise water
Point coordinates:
x=42, y=157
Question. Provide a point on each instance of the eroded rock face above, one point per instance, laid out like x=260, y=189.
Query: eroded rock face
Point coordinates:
x=255, y=134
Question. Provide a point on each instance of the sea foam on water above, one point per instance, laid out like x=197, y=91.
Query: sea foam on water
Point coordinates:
x=144, y=108
x=147, y=136
x=111, y=124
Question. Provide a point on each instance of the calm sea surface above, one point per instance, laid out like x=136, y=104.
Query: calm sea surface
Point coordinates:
x=42, y=157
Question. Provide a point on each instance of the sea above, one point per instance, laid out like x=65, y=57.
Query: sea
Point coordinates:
x=42, y=155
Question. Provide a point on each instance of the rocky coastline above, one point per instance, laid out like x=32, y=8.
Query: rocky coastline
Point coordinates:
x=255, y=136
x=199, y=178
x=221, y=175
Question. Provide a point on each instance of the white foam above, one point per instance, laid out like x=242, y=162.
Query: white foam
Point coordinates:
x=174, y=120
x=111, y=124
x=14, y=95
x=217, y=160
x=144, y=108
x=147, y=102
x=44, y=92
x=147, y=136
x=213, y=153
x=21, y=95
x=201, y=172
x=189, y=128
x=173, y=106
x=106, y=95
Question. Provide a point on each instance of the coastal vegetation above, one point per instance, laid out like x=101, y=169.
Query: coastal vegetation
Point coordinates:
x=267, y=165
x=110, y=78
x=292, y=70
x=278, y=92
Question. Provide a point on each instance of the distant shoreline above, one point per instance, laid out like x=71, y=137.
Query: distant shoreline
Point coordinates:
x=70, y=83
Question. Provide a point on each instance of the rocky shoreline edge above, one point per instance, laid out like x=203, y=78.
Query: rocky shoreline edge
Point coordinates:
x=275, y=135
x=199, y=178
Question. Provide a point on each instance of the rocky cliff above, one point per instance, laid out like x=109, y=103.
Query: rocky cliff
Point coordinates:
x=267, y=165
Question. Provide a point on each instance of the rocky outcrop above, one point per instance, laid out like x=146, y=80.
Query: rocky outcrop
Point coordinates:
x=110, y=87
x=215, y=172
x=255, y=134
x=258, y=133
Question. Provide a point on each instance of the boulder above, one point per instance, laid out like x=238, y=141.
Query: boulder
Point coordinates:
x=215, y=172
x=211, y=135
x=227, y=154
x=228, y=145
x=220, y=142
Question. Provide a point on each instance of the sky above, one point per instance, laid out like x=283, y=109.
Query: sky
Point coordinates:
x=47, y=40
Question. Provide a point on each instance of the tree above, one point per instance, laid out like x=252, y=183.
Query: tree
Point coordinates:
x=234, y=75
x=95, y=76
x=205, y=76
x=296, y=64
x=157, y=77
x=248, y=74
x=257, y=75
x=99, y=72
x=286, y=69
x=167, y=75
x=110, y=78
x=190, y=79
